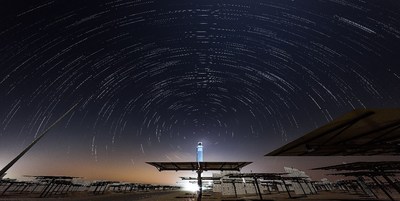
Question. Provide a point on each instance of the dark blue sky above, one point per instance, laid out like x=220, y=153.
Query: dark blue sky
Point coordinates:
x=154, y=77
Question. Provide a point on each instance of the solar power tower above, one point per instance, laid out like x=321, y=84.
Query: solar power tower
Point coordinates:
x=10, y=164
x=199, y=166
x=199, y=152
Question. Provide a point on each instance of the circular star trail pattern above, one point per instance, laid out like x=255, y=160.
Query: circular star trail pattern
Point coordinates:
x=155, y=77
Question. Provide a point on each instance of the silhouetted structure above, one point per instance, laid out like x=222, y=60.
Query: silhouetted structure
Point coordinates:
x=100, y=187
x=360, y=132
x=45, y=185
x=372, y=170
x=199, y=167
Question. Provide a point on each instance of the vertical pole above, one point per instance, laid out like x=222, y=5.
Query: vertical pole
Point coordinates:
x=97, y=188
x=287, y=188
x=105, y=188
x=234, y=187
x=258, y=188
x=200, y=184
x=269, y=191
x=301, y=186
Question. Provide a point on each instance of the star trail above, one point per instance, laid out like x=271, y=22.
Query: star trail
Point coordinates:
x=152, y=78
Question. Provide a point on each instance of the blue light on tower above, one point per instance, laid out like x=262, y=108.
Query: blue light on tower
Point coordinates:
x=200, y=152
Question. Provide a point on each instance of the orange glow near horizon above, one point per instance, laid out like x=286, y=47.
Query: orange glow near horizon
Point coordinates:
x=89, y=171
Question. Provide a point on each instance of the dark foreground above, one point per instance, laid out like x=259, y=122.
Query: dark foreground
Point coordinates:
x=187, y=196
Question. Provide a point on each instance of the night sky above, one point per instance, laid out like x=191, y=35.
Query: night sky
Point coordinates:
x=154, y=77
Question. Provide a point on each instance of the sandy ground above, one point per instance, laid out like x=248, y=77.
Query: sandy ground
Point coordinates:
x=186, y=196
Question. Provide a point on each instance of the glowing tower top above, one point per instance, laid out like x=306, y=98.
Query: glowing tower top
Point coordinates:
x=199, y=152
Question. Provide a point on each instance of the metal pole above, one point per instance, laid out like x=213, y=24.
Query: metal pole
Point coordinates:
x=258, y=188
x=301, y=186
x=105, y=188
x=287, y=188
x=95, y=189
x=234, y=188
x=200, y=183
x=9, y=165
x=269, y=191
